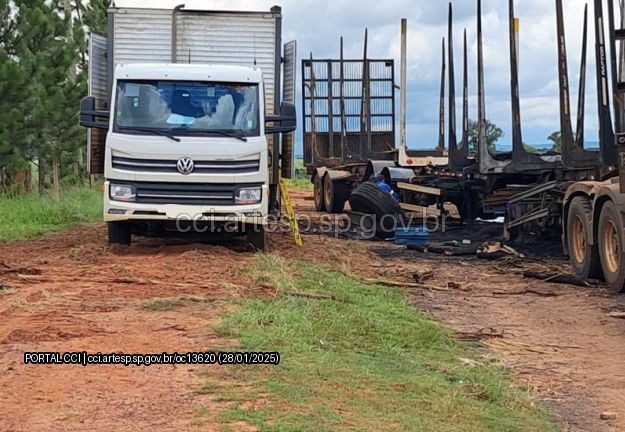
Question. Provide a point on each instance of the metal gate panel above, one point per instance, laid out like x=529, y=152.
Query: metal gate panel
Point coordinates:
x=340, y=125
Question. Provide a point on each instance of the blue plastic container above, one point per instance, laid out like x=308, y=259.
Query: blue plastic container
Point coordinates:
x=412, y=237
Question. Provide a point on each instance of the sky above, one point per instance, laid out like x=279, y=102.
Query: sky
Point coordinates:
x=317, y=25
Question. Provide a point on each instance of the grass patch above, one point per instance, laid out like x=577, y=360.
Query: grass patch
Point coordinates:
x=363, y=360
x=28, y=216
x=299, y=182
x=301, y=179
x=171, y=303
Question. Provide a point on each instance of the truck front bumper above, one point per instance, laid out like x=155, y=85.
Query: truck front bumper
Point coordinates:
x=115, y=211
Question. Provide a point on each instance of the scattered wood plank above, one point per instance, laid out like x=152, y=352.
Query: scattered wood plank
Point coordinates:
x=526, y=292
x=608, y=415
x=420, y=189
x=312, y=296
x=485, y=333
x=557, y=278
x=398, y=284
x=20, y=270
x=619, y=315
x=423, y=276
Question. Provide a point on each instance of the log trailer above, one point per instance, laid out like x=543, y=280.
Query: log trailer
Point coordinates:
x=577, y=194
x=185, y=111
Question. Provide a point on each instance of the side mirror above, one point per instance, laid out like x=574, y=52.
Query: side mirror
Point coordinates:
x=285, y=122
x=89, y=115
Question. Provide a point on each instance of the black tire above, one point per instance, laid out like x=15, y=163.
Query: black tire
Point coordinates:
x=371, y=200
x=584, y=258
x=256, y=238
x=335, y=195
x=318, y=194
x=611, y=247
x=120, y=233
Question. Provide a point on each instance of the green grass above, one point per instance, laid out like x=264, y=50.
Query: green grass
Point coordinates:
x=363, y=360
x=28, y=216
x=301, y=179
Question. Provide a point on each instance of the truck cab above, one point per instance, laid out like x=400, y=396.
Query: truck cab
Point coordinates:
x=185, y=141
x=190, y=147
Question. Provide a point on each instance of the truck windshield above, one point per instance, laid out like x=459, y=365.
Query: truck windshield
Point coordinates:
x=187, y=108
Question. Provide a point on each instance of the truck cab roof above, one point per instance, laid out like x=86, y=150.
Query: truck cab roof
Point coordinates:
x=189, y=72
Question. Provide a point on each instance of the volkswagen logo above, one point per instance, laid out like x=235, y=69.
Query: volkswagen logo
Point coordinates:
x=185, y=165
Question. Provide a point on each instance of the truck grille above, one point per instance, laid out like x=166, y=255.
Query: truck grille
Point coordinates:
x=187, y=193
x=201, y=167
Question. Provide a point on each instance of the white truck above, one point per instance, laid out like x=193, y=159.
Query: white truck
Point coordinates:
x=185, y=114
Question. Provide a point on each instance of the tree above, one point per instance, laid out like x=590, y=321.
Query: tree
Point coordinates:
x=556, y=138
x=43, y=76
x=493, y=134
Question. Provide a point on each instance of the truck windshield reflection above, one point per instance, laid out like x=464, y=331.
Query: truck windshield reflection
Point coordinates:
x=188, y=108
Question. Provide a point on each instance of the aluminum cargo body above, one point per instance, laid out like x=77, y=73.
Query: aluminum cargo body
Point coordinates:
x=138, y=35
x=205, y=37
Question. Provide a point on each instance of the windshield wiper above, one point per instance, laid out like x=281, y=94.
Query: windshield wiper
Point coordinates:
x=152, y=131
x=238, y=136
x=227, y=133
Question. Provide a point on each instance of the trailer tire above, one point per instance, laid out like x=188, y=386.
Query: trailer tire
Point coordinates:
x=256, y=238
x=119, y=233
x=611, y=244
x=371, y=200
x=584, y=257
x=318, y=193
x=335, y=195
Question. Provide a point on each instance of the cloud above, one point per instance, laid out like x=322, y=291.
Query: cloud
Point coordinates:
x=318, y=26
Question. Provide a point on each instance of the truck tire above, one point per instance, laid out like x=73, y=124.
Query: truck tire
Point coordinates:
x=371, y=200
x=584, y=257
x=335, y=195
x=119, y=233
x=256, y=238
x=318, y=194
x=611, y=247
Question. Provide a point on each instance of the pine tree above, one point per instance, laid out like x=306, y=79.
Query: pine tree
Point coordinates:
x=43, y=76
x=13, y=92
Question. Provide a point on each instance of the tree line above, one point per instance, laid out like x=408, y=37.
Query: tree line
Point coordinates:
x=43, y=76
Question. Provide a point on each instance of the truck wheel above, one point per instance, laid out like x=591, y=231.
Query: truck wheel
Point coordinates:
x=335, y=194
x=584, y=257
x=256, y=238
x=612, y=248
x=371, y=200
x=119, y=233
x=318, y=193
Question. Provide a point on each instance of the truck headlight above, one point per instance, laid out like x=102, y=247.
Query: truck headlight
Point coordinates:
x=123, y=193
x=248, y=196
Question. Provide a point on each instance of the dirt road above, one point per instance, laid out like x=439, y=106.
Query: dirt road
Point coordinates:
x=70, y=291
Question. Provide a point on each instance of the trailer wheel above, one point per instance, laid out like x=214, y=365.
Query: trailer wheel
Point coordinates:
x=335, y=194
x=318, y=194
x=256, y=238
x=612, y=248
x=584, y=257
x=371, y=200
x=119, y=233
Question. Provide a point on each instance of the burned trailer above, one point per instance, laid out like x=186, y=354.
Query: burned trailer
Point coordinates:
x=349, y=124
x=527, y=188
x=593, y=230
